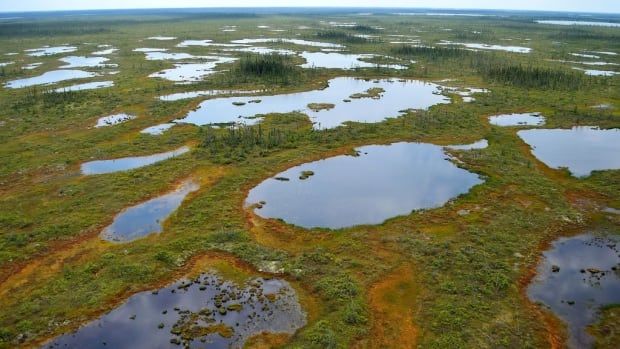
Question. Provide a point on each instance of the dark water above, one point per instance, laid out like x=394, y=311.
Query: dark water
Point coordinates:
x=146, y=218
x=129, y=163
x=150, y=320
x=580, y=149
x=384, y=181
x=586, y=280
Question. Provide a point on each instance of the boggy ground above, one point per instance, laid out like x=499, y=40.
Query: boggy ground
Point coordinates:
x=433, y=279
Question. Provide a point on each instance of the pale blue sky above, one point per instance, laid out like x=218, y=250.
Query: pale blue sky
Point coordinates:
x=547, y=5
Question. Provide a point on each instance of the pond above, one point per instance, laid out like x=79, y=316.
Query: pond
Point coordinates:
x=219, y=313
x=587, y=23
x=47, y=51
x=595, y=72
x=576, y=277
x=263, y=50
x=335, y=60
x=161, y=56
x=476, y=46
x=162, y=38
x=32, y=66
x=184, y=73
x=350, y=98
x=157, y=129
x=287, y=41
x=113, y=119
x=580, y=149
x=107, y=51
x=86, y=86
x=128, y=163
x=83, y=62
x=380, y=182
x=147, y=218
x=50, y=77
x=205, y=93
x=517, y=119
x=207, y=43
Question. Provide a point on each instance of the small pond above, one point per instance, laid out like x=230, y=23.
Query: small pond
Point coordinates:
x=380, y=182
x=287, y=41
x=595, y=72
x=87, y=86
x=476, y=46
x=129, y=163
x=349, y=99
x=576, y=277
x=47, y=51
x=157, y=129
x=83, y=62
x=333, y=60
x=113, y=119
x=161, y=38
x=146, y=218
x=580, y=149
x=219, y=313
x=522, y=119
x=191, y=72
x=163, y=56
x=50, y=77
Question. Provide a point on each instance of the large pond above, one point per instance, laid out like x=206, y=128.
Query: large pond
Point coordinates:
x=50, y=77
x=576, y=277
x=147, y=218
x=205, y=312
x=129, y=163
x=348, y=99
x=381, y=182
x=580, y=149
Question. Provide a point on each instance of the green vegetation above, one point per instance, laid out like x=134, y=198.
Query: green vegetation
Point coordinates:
x=469, y=270
x=607, y=330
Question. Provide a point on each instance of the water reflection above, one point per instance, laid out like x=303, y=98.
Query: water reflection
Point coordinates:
x=205, y=312
x=335, y=60
x=580, y=149
x=83, y=62
x=157, y=129
x=577, y=276
x=47, y=51
x=146, y=218
x=129, y=163
x=87, y=86
x=383, y=181
x=50, y=77
x=523, y=119
x=395, y=98
x=113, y=119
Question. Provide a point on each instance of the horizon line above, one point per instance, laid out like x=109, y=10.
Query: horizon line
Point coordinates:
x=309, y=7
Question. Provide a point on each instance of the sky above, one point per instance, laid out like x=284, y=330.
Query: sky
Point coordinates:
x=609, y=6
